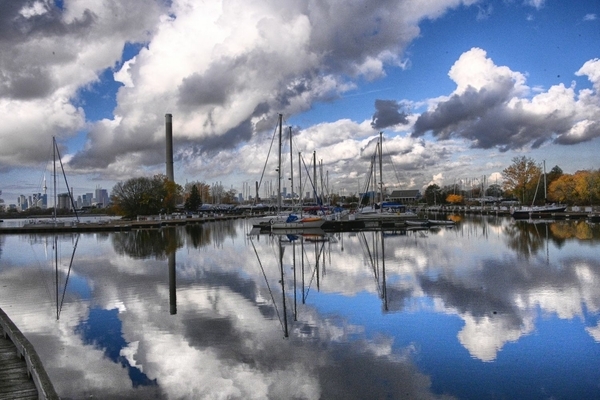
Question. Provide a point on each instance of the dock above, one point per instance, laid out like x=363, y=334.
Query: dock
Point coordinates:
x=22, y=375
x=111, y=226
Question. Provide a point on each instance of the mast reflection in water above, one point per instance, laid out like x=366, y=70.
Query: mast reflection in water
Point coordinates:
x=489, y=308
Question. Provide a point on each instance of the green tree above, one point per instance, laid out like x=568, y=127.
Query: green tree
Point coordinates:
x=228, y=197
x=171, y=193
x=554, y=174
x=433, y=194
x=145, y=196
x=494, y=190
x=193, y=200
x=521, y=179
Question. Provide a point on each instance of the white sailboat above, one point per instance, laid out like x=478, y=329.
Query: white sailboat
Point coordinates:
x=293, y=222
x=377, y=212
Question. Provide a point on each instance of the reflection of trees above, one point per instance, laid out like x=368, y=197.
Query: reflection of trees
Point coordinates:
x=580, y=230
x=197, y=235
x=528, y=237
x=145, y=243
x=204, y=234
x=524, y=238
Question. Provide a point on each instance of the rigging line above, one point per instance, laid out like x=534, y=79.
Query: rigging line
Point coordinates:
x=319, y=256
x=368, y=181
x=370, y=258
x=267, y=159
x=66, y=183
x=310, y=179
x=267, y=282
x=393, y=166
x=68, y=274
x=311, y=278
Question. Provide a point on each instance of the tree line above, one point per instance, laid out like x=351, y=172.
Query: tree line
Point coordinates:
x=158, y=194
x=525, y=181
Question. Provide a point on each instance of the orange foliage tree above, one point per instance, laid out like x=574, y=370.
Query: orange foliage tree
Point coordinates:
x=581, y=188
x=454, y=199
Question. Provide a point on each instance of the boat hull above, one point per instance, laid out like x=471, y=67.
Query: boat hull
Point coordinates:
x=310, y=223
x=537, y=212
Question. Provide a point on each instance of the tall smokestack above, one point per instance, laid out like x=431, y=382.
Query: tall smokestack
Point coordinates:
x=169, y=134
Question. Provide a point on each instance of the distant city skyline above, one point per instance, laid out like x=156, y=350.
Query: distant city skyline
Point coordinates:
x=44, y=200
x=458, y=88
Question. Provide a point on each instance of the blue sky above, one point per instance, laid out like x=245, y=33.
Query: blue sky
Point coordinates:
x=459, y=88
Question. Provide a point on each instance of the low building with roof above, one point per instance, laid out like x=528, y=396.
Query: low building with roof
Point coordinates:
x=408, y=196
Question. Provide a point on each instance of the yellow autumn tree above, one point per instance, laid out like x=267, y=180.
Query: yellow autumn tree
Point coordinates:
x=562, y=190
x=581, y=188
x=454, y=199
x=521, y=179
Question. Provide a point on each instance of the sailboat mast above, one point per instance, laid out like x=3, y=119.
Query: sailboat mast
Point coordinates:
x=279, y=168
x=56, y=272
x=381, y=168
x=285, y=321
x=300, y=183
x=545, y=189
x=54, y=173
x=315, y=176
x=291, y=167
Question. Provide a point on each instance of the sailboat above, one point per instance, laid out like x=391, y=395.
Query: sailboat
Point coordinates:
x=293, y=222
x=537, y=211
x=379, y=212
x=54, y=222
x=286, y=221
x=265, y=222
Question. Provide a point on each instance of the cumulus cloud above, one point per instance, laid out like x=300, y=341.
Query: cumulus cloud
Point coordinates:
x=222, y=69
x=56, y=52
x=388, y=113
x=490, y=108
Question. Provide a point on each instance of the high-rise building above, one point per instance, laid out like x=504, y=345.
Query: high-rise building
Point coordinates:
x=64, y=201
x=22, y=203
x=87, y=199
x=102, y=198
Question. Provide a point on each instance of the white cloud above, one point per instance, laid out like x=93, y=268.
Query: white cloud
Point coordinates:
x=474, y=69
x=484, y=337
x=490, y=108
x=535, y=3
x=33, y=9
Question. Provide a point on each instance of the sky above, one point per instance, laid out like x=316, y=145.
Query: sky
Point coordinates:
x=457, y=88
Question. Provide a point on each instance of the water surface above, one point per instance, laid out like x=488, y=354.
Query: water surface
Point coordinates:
x=491, y=308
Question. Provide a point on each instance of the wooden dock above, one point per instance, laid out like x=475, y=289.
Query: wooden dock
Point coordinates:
x=22, y=375
x=112, y=226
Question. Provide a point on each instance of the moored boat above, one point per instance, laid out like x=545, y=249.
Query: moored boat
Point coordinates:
x=537, y=211
x=293, y=222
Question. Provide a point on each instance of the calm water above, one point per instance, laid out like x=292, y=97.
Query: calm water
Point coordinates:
x=488, y=309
